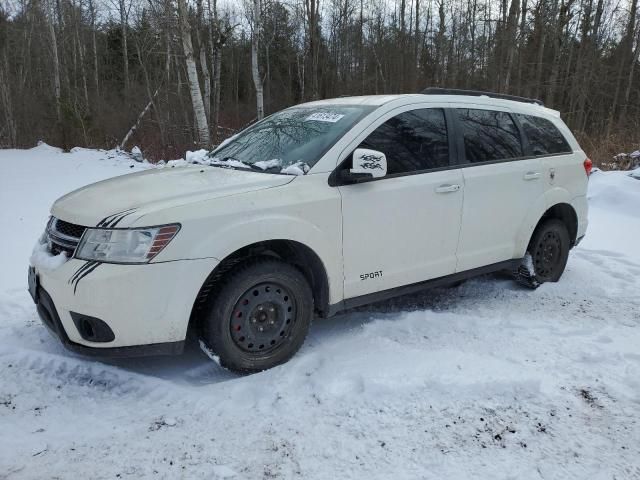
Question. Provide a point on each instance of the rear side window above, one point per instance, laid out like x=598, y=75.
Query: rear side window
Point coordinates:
x=543, y=136
x=412, y=141
x=489, y=135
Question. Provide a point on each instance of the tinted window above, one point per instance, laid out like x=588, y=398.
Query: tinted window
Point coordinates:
x=544, y=138
x=412, y=141
x=489, y=135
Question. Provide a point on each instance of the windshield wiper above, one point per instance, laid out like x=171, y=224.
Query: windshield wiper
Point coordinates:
x=249, y=166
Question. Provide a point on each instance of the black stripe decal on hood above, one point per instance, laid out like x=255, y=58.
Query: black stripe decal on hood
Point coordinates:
x=116, y=221
x=105, y=221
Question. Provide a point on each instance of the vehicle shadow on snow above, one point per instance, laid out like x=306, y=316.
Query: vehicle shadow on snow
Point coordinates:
x=195, y=368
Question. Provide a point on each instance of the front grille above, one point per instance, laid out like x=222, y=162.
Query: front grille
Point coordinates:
x=63, y=236
x=69, y=229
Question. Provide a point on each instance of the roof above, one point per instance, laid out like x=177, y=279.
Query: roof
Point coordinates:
x=403, y=99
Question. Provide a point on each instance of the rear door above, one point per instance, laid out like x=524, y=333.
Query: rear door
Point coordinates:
x=402, y=228
x=500, y=185
x=559, y=164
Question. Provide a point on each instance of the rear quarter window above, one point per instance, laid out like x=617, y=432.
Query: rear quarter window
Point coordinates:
x=543, y=136
x=489, y=135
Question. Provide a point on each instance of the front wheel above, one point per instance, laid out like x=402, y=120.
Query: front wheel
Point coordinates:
x=546, y=256
x=259, y=317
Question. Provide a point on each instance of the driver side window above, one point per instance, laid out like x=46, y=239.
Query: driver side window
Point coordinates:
x=412, y=141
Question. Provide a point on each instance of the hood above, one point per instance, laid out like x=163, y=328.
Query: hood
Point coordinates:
x=135, y=194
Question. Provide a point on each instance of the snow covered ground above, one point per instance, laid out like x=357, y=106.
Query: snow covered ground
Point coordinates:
x=485, y=380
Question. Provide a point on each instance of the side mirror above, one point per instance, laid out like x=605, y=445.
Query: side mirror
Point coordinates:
x=370, y=162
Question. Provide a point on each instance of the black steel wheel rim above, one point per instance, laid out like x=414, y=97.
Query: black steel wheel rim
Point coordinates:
x=548, y=254
x=263, y=318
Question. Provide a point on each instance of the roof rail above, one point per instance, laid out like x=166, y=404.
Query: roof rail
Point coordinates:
x=479, y=93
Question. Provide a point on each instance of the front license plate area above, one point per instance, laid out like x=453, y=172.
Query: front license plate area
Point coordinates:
x=33, y=284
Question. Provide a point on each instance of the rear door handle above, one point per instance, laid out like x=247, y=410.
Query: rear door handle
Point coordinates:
x=448, y=188
x=531, y=175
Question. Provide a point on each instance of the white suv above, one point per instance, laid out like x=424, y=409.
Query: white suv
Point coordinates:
x=318, y=208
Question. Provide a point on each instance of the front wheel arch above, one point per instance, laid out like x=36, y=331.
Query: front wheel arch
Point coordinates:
x=290, y=251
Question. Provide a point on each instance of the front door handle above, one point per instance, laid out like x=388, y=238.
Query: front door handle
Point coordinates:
x=448, y=188
x=531, y=176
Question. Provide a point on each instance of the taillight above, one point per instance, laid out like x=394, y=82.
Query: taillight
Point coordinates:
x=588, y=165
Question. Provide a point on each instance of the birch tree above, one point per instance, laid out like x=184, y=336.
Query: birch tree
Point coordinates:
x=192, y=74
x=56, y=65
x=255, y=70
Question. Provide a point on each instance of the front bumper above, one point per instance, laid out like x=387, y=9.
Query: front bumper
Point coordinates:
x=146, y=307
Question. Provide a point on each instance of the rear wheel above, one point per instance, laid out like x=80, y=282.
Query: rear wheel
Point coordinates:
x=546, y=256
x=259, y=317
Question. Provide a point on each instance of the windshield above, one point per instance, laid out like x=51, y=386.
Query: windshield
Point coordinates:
x=290, y=141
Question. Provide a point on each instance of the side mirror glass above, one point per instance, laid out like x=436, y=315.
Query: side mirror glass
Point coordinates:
x=369, y=162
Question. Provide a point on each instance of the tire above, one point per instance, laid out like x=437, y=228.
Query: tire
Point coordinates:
x=259, y=317
x=546, y=256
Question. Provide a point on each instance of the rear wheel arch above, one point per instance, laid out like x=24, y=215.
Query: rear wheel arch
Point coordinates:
x=566, y=214
x=290, y=251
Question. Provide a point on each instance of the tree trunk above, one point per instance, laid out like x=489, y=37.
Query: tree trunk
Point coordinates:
x=150, y=96
x=125, y=51
x=540, y=53
x=94, y=47
x=626, y=54
x=83, y=70
x=135, y=126
x=312, y=7
x=416, y=51
x=56, y=68
x=204, y=64
x=5, y=101
x=255, y=70
x=511, y=33
x=440, y=38
x=216, y=65
x=192, y=73
x=627, y=93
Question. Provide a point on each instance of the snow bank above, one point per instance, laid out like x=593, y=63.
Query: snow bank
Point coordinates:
x=42, y=147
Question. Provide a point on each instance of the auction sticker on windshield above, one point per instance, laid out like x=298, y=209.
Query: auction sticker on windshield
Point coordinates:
x=324, y=117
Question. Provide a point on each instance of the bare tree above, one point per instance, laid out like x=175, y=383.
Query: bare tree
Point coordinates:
x=192, y=74
x=124, y=19
x=56, y=64
x=255, y=67
x=94, y=47
x=9, y=129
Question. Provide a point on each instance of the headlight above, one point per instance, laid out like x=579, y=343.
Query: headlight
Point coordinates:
x=125, y=245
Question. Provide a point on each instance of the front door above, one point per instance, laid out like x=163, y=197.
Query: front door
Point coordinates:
x=403, y=228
